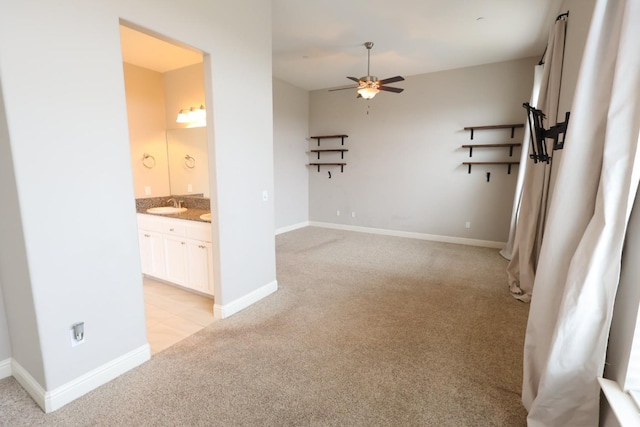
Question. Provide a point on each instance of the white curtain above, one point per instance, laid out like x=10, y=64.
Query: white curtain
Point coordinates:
x=507, y=251
x=579, y=265
x=535, y=190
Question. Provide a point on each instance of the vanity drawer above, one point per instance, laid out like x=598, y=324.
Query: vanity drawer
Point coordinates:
x=174, y=227
x=150, y=222
x=199, y=231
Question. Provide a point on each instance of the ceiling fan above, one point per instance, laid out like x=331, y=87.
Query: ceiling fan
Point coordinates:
x=369, y=86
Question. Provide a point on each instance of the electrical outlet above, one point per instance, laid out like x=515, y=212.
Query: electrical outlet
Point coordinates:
x=147, y=191
x=467, y=224
x=337, y=213
x=265, y=195
x=353, y=214
x=77, y=334
x=189, y=188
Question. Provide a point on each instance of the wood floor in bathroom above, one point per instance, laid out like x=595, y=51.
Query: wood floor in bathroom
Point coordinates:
x=173, y=314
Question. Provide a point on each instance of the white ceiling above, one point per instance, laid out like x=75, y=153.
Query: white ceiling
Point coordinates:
x=316, y=44
x=154, y=54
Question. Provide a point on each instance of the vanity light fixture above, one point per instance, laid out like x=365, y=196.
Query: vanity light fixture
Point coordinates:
x=192, y=115
x=198, y=113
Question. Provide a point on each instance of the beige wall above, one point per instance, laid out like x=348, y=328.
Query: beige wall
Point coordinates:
x=146, y=114
x=290, y=132
x=404, y=170
x=7, y=192
x=5, y=343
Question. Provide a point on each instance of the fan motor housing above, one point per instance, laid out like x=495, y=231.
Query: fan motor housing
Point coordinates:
x=368, y=79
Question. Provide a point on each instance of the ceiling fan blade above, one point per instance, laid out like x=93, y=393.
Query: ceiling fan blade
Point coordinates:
x=391, y=89
x=343, y=88
x=391, y=80
x=354, y=79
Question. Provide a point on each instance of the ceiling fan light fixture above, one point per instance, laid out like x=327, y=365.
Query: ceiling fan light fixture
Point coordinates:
x=368, y=92
x=369, y=86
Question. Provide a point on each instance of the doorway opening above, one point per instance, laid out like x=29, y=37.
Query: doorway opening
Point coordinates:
x=166, y=111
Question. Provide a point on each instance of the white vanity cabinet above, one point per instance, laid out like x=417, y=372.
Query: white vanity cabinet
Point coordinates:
x=175, y=259
x=177, y=251
x=151, y=253
x=200, y=268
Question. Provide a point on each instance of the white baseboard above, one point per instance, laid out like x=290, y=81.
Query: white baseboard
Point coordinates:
x=5, y=368
x=224, y=311
x=50, y=401
x=292, y=227
x=411, y=235
x=27, y=382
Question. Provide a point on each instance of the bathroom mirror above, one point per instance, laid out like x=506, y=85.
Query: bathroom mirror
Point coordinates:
x=188, y=161
x=163, y=161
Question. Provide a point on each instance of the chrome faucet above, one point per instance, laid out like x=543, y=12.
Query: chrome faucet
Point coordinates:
x=173, y=201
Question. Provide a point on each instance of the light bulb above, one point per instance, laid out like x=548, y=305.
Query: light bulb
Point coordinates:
x=199, y=113
x=183, y=116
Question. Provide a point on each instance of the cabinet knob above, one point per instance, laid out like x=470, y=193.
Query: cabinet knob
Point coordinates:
x=147, y=235
x=182, y=243
x=171, y=229
x=201, y=246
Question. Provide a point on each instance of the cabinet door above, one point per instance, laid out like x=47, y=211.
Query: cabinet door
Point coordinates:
x=175, y=256
x=152, y=253
x=200, y=266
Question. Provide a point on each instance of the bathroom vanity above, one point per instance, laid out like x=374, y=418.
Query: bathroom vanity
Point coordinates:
x=177, y=250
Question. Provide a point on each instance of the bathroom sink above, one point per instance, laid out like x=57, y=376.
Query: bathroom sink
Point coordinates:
x=206, y=217
x=166, y=210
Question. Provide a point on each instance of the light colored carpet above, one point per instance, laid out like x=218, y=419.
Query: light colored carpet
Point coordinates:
x=365, y=330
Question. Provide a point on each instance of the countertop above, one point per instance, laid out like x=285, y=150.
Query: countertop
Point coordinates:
x=191, y=214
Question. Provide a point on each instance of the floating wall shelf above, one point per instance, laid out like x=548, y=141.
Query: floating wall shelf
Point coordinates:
x=512, y=127
x=510, y=145
x=330, y=150
x=341, y=151
x=342, y=165
x=342, y=137
x=509, y=164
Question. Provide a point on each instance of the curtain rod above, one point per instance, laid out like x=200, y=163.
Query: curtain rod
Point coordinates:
x=543, y=54
x=562, y=15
